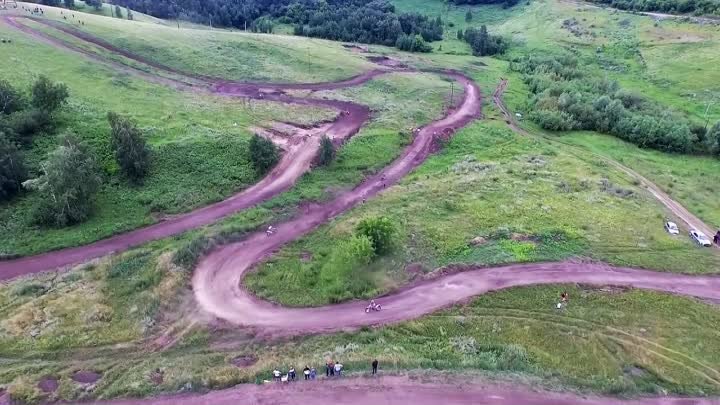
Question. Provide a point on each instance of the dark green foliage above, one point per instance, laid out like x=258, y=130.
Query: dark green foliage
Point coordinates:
x=381, y=231
x=484, y=44
x=342, y=20
x=118, y=12
x=412, y=43
x=263, y=153
x=468, y=16
x=129, y=14
x=68, y=184
x=11, y=100
x=326, y=154
x=566, y=97
x=262, y=24
x=23, y=125
x=69, y=4
x=12, y=168
x=666, y=6
x=713, y=138
x=127, y=142
x=460, y=35
x=53, y=3
x=96, y=4
x=186, y=257
x=504, y=3
x=48, y=96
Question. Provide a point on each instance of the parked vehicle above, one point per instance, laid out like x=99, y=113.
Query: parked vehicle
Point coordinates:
x=672, y=228
x=700, y=238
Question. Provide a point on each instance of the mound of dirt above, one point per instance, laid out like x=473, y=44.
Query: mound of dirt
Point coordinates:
x=385, y=61
x=243, y=361
x=48, y=384
x=86, y=376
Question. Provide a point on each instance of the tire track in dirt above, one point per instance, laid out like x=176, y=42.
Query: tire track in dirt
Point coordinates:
x=673, y=206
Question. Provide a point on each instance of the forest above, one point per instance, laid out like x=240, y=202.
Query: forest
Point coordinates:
x=699, y=7
x=374, y=22
x=565, y=97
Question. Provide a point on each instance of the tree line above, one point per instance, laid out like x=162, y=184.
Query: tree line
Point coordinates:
x=564, y=97
x=481, y=42
x=700, y=7
x=373, y=22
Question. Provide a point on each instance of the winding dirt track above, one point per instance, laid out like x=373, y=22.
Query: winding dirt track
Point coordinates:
x=218, y=289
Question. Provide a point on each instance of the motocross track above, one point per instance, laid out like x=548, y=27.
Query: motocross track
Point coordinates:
x=218, y=289
x=673, y=206
x=296, y=161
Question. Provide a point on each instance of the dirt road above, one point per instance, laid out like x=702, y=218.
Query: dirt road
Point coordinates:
x=293, y=164
x=690, y=220
x=395, y=391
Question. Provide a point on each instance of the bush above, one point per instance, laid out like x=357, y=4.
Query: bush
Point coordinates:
x=48, y=96
x=12, y=168
x=713, y=138
x=68, y=184
x=187, y=256
x=263, y=153
x=412, y=43
x=10, y=99
x=338, y=274
x=380, y=231
x=326, y=154
x=27, y=123
x=129, y=147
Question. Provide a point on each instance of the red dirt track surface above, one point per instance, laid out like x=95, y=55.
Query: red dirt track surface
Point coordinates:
x=394, y=391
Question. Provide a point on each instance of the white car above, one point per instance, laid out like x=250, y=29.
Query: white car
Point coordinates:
x=672, y=228
x=700, y=238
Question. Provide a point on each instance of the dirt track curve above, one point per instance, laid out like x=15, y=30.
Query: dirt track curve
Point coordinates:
x=294, y=163
x=673, y=206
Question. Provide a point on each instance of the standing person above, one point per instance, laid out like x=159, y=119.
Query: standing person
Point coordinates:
x=327, y=369
x=338, y=369
x=306, y=373
x=332, y=368
x=276, y=375
x=291, y=373
x=313, y=373
x=374, y=366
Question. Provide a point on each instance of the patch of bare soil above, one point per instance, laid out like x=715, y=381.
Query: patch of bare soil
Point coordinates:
x=48, y=384
x=86, y=376
x=244, y=361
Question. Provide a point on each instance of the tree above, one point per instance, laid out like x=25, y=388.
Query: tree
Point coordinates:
x=468, y=16
x=129, y=14
x=713, y=136
x=381, y=232
x=127, y=143
x=68, y=184
x=460, y=34
x=48, y=96
x=10, y=99
x=118, y=12
x=96, y=4
x=12, y=168
x=326, y=154
x=69, y=4
x=263, y=153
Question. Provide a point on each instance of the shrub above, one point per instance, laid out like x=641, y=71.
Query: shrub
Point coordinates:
x=263, y=153
x=25, y=124
x=12, y=168
x=129, y=147
x=380, y=231
x=10, y=99
x=326, y=154
x=68, y=184
x=339, y=276
x=48, y=96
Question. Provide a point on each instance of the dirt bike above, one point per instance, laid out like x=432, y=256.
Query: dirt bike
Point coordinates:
x=369, y=308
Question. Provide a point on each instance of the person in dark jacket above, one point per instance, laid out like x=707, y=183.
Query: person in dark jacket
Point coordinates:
x=374, y=366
